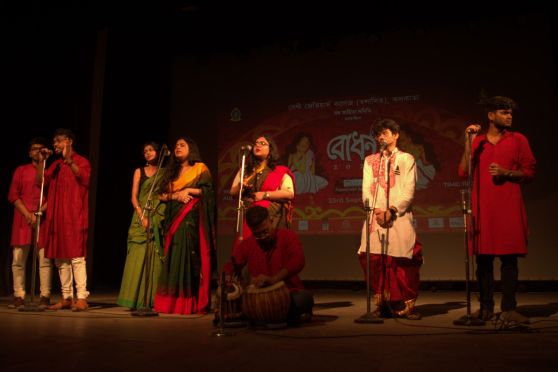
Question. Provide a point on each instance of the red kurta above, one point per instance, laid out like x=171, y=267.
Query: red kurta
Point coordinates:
x=67, y=211
x=499, y=221
x=24, y=187
x=287, y=254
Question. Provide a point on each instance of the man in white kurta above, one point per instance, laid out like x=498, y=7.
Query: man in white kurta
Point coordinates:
x=388, y=185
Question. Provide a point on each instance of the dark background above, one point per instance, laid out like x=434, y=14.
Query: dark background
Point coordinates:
x=50, y=53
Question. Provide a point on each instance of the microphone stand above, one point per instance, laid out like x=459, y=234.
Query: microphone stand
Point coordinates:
x=369, y=317
x=222, y=298
x=385, y=238
x=32, y=306
x=240, y=204
x=146, y=309
x=467, y=320
x=239, y=226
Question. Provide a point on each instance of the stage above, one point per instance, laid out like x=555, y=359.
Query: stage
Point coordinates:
x=108, y=338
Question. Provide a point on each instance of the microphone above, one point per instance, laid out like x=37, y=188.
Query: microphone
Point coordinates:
x=165, y=150
x=46, y=151
x=473, y=130
x=246, y=148
x=383, y=146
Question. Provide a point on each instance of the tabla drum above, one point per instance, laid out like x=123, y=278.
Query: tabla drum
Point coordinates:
x=267, y=305
x=232, y=306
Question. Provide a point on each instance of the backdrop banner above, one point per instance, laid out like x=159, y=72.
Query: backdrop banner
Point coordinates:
x=325, y=142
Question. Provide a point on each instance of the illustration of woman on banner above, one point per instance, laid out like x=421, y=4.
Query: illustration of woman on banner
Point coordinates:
x=425, y=170
x=303, y=165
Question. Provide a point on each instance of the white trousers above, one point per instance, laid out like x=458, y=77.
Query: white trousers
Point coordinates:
x=18, y=271
x=72, y=270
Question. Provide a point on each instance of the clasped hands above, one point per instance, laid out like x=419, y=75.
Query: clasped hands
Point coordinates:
x=383, y=217
x=496, y=170
x=182, y=196
x=252, y=196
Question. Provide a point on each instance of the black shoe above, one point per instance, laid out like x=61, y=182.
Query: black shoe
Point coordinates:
x=483, y=314
x=305, y=317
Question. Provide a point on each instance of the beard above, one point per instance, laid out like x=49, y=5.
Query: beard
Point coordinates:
x=266, y=244
x=502, y=124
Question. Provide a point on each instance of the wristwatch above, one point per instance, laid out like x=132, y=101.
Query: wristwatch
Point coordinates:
x=509, y=174
x=266, y=195
x=393, y=212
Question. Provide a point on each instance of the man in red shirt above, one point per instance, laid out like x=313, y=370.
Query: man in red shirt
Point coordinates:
x=501, y=161
x=24, y=194
x=273, y=255
x=67, y=219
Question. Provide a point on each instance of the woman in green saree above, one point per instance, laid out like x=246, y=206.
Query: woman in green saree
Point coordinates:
x=132, y=290
x=189, y=238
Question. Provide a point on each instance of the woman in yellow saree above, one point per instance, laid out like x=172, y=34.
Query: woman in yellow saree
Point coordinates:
x=189, y=238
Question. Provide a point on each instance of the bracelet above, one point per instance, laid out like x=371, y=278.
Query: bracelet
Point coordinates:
x=393, y=213
x=266, y=195
x=509, y=174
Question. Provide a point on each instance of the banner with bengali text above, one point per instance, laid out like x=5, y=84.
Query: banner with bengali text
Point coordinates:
x=325, y=142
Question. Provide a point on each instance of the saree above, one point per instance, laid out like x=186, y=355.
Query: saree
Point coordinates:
x=189, y=243
x=279, y=211
x=133, y=292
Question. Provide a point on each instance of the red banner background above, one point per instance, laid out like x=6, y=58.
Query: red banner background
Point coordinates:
x=336, y=135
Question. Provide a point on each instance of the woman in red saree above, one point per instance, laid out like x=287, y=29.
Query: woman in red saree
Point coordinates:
x=189, y=239
x=266, y=184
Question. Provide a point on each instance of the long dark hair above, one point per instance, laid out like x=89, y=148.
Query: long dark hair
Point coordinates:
x=172, y=169
x=272, y=160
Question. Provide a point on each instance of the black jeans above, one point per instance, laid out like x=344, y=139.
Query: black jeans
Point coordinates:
x=485, y=277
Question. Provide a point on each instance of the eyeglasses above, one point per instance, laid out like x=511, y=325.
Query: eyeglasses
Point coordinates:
x=261, y=143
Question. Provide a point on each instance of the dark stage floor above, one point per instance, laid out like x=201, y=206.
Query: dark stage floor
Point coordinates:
x=108, y=338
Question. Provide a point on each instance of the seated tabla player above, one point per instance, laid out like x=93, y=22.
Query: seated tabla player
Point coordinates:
x=272, y=255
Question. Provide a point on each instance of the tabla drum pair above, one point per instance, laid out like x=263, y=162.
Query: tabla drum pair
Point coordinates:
x=232, y=307
x=267, y=306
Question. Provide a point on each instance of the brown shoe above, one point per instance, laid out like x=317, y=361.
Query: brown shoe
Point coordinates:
x=44, y=302
x=80, y=305
x=409, y=311
x=65, y=303
x=18, y=302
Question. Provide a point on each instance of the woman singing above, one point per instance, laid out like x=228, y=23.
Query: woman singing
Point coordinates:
x=189, y=243
x=266, y=184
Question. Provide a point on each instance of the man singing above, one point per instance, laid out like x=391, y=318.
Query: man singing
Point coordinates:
x=388, y=185
x=501, y=161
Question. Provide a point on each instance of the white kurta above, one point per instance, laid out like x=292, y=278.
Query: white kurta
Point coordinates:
x=401, y=235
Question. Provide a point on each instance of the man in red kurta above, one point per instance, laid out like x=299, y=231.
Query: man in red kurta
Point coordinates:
x=67, y=219
x=501, y=161
x=273, y=255
x=24, y=194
